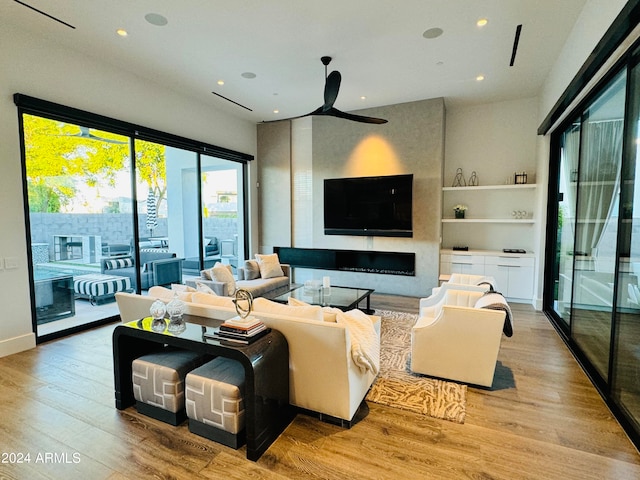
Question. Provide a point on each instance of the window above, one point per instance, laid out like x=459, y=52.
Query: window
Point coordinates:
x=117, y=207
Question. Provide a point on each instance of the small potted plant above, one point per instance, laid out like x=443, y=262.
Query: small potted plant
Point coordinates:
x=459, y=210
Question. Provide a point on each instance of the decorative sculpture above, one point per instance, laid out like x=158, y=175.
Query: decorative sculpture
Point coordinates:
x=459, y=180
x=473, y=180
x=243, y=297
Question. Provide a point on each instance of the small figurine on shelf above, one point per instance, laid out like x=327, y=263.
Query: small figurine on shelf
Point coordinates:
x=473, y=180
x=459, y=180
x=459, y=210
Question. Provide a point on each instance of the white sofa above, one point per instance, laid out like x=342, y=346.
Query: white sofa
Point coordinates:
x=454, y=340
x=323, y=376
x=465, y=281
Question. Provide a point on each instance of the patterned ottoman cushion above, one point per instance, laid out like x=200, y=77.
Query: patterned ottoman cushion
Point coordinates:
x=214, y=394
x=158, y=378
x=98, y=285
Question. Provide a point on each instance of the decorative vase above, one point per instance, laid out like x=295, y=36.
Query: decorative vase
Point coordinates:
x=175, y=309
x=157, y=311
x=459, y=213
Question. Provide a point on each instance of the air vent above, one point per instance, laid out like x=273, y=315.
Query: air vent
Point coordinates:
x=515, y=45
x=45, y=14
x=229, y=100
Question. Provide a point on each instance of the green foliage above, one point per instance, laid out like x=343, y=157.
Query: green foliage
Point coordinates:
x=59, y=156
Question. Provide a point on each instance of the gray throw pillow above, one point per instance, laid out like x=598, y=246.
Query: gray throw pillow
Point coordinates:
x=251, y=270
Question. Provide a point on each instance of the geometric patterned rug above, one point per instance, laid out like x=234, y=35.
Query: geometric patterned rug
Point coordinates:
x=396, y=386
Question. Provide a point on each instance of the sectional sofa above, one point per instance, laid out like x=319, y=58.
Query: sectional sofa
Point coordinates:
x=324, y=375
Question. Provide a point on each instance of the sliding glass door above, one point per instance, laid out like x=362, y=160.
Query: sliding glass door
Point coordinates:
x=223, y=225
x=595, y=256
x=168, y=222
x=80, y=211
x=597, y=223
x=566, y=214
x=626, y=378
x=116, y=207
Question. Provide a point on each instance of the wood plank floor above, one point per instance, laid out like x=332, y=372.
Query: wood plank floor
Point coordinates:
x=541, y=420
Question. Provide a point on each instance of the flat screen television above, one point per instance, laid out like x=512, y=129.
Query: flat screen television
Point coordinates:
x=369, y=206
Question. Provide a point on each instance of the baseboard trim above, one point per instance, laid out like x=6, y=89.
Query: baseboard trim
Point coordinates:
x=17, y=344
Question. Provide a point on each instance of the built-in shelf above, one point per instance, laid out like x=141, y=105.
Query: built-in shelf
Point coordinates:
x=488, y=220
x=492, y=187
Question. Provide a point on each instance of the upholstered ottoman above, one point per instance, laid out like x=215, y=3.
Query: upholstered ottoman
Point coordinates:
x=158, y=383
x=214, y=401
x=99, y=288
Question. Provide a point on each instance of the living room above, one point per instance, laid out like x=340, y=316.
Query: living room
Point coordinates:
x=505, y=130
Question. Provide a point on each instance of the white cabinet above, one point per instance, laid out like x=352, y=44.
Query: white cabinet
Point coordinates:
x=462, y=263
x=514, y=273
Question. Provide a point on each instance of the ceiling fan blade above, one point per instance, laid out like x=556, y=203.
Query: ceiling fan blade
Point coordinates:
x=331, y=89
x=334, y=112
x=317, y=111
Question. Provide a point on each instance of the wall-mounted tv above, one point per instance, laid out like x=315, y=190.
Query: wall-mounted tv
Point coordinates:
x=369, y=206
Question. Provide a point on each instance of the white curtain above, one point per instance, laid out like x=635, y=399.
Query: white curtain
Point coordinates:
x=600, y=162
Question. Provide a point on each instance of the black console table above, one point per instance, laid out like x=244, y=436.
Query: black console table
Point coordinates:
x=266, y=366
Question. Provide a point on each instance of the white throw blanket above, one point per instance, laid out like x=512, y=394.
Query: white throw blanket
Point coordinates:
x=495, y=301
x=365, y=344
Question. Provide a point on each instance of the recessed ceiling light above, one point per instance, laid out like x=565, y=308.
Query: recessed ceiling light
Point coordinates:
x=440, y=63
x=248, y=75
x=482, y=22
x=122, y=32
x=276, y=111
x=220, y=82
x=480, y=78
x=156, y=19
x=432, y=33
x=363, y=97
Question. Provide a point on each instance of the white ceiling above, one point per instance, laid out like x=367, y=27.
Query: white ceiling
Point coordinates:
x=377, y=45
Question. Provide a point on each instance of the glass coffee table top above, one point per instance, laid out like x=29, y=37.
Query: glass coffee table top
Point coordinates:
x=344, y=298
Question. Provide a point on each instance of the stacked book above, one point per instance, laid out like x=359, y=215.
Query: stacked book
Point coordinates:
x=241, y=330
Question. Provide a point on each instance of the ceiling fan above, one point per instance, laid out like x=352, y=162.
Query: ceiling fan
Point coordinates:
x=331, y=89
x=86, y=133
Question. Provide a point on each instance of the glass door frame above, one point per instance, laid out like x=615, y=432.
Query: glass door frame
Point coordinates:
x=42, y=108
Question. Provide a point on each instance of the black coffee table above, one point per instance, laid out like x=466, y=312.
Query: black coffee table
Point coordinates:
x=344, y=298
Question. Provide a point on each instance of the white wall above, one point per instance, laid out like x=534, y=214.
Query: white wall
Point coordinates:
x=41, y=69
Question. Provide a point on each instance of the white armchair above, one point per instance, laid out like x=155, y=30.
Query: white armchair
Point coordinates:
x=456, y=341
x=472, y=283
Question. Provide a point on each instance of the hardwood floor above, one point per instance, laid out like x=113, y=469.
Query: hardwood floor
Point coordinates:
x=541, y=420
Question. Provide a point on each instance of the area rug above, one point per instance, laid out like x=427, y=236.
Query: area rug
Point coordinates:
x=396, y=386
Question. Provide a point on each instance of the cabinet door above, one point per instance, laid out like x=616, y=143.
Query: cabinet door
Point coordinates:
x=468, y=264
x=500, y=274
x=521, y=282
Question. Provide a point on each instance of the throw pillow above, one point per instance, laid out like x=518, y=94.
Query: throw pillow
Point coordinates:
x=213, y=300
x=222, y=273
x=263, y=305
x=204, y=288
x=251, y=270
x=180, y=288
x=163, y=293
x=269, y=265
